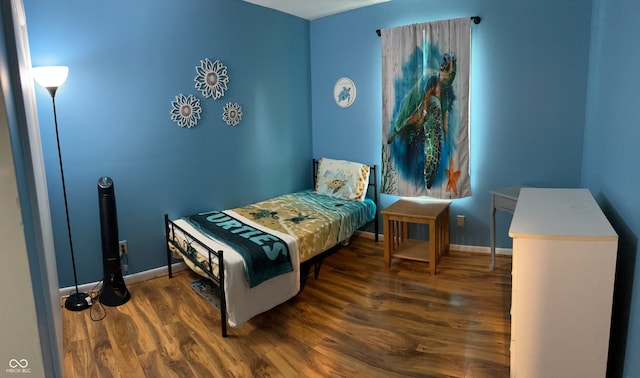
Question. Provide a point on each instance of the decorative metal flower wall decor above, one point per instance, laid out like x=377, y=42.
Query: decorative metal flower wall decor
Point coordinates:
x=211, y=79
x=186, y=110
x=232, y=114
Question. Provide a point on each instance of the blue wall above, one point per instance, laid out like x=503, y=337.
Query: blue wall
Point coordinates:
x=529, y=73
x=534, y=66
x=528, y=106
x=127, y=63
x=610, y=155
x=541, y=71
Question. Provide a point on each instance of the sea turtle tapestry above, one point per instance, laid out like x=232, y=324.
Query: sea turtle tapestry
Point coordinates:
x=425, y=109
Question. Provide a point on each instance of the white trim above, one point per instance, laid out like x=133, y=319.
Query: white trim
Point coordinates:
x=479, y=249
x=454, y=247
x=176, y=267
x=51, y=342
x=128, y=279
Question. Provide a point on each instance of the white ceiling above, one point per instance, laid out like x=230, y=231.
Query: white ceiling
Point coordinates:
x=311, y=9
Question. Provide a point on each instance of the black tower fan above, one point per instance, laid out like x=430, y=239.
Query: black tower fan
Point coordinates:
x=113, y=292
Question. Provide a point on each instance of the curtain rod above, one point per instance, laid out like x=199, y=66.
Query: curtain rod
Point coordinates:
x=476, y=20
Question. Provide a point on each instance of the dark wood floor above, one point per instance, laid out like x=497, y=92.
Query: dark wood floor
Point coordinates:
x=359, y=319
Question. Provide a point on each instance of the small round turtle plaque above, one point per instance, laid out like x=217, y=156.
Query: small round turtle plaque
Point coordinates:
x=344, y=92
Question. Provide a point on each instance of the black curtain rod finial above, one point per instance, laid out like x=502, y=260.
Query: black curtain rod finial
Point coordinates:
x=476, y=20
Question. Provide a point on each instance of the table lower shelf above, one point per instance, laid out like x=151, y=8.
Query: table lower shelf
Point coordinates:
x=411, y=249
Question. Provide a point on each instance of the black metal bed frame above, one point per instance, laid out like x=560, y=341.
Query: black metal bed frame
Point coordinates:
x=217, y=256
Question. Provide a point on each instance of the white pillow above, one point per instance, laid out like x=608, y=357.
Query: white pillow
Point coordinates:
x=342, y=179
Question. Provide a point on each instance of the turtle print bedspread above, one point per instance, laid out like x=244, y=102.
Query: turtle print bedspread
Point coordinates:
x=317, y=221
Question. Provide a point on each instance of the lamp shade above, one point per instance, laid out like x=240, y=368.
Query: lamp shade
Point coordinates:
x=50, y=76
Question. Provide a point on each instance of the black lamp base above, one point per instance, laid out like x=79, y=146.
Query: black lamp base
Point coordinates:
x=77, y=302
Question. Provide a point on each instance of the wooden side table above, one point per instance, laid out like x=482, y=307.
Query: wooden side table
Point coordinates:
x=396, y=231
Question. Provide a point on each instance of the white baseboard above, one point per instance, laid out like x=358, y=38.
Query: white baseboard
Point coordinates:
x=455, y=247
x=176, y=267
x=479, y=249
x=128, y=279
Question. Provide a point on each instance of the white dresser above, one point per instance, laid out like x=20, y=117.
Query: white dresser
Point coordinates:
x=564, y=259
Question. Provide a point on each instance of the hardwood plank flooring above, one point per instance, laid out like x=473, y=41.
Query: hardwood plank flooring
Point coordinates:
x=358, y=319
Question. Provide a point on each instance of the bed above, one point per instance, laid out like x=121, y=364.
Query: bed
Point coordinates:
x=260, y=255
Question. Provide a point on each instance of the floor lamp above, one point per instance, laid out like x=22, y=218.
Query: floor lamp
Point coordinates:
x=52, y=77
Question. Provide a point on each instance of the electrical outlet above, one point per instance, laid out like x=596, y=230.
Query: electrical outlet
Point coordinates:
x=122, y=247
x=460, y=220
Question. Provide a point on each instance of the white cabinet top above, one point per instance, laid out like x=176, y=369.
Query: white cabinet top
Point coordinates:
x=549, y=213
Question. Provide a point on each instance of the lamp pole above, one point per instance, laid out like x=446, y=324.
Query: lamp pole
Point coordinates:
x=51, y=78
